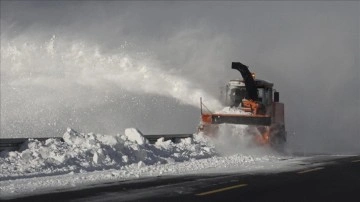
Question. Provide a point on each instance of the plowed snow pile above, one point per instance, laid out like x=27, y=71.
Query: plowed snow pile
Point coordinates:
x=88, y=152
x=87, y=159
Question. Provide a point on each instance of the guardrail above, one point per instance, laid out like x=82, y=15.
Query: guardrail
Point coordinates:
x=173, y=137
x=13, y=144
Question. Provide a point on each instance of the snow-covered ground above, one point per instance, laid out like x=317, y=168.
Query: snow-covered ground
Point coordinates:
x=88, y=159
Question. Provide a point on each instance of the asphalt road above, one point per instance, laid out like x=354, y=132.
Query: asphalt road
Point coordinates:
x=336, y=180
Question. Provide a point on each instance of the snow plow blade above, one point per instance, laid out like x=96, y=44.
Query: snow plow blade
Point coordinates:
x=241, y=119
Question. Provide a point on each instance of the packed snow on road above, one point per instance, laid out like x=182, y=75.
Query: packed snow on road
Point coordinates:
x=87, y=159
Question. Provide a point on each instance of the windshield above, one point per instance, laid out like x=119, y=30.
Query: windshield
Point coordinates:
x=260, y=94
x=264, y=95
x=236, y=95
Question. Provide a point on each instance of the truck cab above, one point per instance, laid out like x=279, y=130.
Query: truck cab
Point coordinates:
x=235, y=92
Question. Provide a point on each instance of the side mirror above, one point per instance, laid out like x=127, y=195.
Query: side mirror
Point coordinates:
x=276, y=96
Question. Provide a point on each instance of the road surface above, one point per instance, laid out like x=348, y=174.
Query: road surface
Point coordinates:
x=338, y=179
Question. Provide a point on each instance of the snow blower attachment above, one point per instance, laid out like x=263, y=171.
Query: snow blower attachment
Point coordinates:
x=251, y=103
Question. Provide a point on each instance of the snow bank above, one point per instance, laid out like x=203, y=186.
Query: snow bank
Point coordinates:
x=135, y=135
x=82, y=152
x=83, y=160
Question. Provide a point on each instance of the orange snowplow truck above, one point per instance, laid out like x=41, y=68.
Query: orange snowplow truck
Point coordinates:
x=259, y=107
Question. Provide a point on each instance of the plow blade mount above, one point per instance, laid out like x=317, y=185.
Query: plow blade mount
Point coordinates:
x=241, y=119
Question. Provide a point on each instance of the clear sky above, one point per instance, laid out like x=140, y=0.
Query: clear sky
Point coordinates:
x=309, y=50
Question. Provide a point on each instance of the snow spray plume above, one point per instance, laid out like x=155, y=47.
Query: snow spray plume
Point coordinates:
x=40, y=80
x=310, y=50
